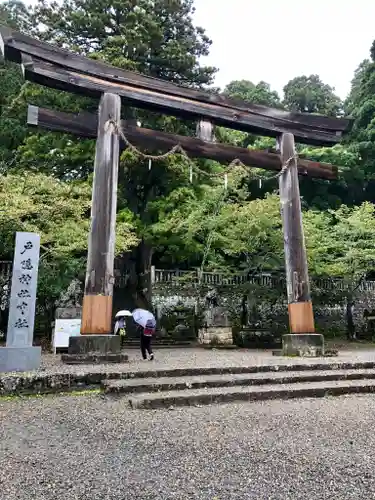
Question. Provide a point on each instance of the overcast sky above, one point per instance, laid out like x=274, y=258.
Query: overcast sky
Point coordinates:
x=276, y=40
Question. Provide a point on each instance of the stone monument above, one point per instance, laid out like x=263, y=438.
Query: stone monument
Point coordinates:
x=255, y=333
x=217, y=328
x=68, y=305
x=19, y=354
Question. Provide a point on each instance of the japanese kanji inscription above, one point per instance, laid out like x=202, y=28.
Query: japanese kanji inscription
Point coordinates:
x=23, y=292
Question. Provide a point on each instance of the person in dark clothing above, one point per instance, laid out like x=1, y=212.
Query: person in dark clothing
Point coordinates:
x=146, y=347
x=147, y=333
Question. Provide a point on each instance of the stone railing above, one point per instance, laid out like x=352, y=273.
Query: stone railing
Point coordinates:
x=212, y=279
x=193, y=278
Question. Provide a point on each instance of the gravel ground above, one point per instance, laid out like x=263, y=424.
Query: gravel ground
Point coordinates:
x=92, y=448
x=200, y=358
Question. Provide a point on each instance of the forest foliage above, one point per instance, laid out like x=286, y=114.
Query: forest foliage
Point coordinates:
x=163, y=218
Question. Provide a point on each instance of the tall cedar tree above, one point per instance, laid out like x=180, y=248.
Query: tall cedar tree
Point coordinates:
x=157, y=38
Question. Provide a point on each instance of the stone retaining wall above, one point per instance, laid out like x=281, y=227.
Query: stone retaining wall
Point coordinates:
x=330, y=319
x=216, y=335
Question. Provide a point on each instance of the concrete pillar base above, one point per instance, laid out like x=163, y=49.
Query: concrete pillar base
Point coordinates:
x=89, y=349
x=309, y=345
x=20, y=359
x=103, y=344
x=94, y=358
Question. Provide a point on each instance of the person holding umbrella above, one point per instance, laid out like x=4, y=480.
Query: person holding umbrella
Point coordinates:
x=120, y=324
x=146, y=326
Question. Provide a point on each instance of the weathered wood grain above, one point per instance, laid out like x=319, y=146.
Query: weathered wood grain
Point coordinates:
x=85, y=125
x=13, y=44
x=52, y=76
x=101, y=247
x=59, y=78
x=298, y=287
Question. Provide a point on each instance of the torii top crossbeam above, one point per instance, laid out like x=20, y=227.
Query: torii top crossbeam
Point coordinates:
x=57, y=68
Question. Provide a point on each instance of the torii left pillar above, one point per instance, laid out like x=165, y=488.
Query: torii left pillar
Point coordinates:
x=96, y=343
x=302, y=340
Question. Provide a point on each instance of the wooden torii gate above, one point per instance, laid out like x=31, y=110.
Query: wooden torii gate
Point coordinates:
x=59, y=69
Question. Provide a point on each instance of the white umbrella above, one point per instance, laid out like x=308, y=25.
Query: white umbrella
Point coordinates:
x=123, y=313
x=144, y=318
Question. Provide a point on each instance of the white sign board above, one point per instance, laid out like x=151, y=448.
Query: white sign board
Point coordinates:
x=64, y=329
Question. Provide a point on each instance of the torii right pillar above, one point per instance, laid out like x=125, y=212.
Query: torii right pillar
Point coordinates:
x=302, y=340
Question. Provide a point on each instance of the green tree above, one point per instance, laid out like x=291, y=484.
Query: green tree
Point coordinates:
x=155, y=37
x=168, y=220
x=247, y=91
x=12, y=131
x=349, y=188
x=15, y=14
x=356, y=92
x=59, y=212
x=340, y=244
x=308, y=94
x=361, y=107
x=247, y=236
x=236, y=234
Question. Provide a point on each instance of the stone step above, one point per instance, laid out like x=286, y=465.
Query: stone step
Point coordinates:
x=305, y=365
x=139, y=385
x=46, y=381
x=207, y=396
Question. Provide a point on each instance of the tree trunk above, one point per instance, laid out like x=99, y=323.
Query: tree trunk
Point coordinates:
x=244, y=315
x=137, y=292
x=349, y=320
x=143, y=268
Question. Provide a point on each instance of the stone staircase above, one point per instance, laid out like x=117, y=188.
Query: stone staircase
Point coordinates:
x=170, y=389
